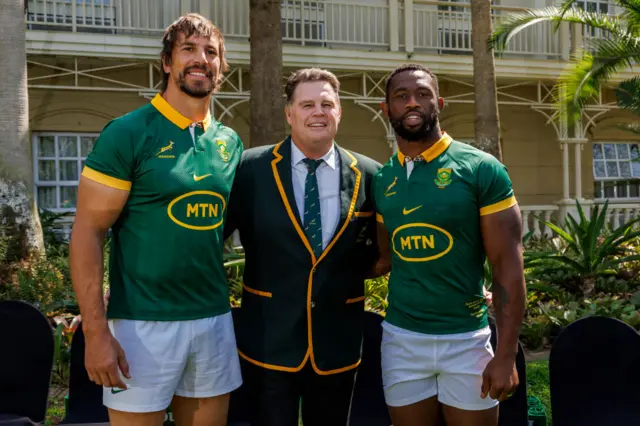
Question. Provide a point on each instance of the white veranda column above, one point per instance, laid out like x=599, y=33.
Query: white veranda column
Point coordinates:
x=578, y=158
x=565, y=169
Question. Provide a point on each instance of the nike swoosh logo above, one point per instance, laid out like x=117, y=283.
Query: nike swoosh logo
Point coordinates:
x=115, y=390
x=405, y=211
x=199, y=178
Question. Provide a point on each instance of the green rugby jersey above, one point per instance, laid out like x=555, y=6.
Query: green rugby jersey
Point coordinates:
x=433, y=220
x=166, y=254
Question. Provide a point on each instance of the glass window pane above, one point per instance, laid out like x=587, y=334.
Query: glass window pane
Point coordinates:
x=47, y=170
x=635, y=168
x=634, y=151
x=597, y=151
x=86, y=145
x=68, y=196
x=625, y=169
x=634, y=189
x=623, y=151
x=67, y=146
x=609, y=151
x=69, y=170
x=598, y=166
x=47, y=197
x=612, y=169
x=46, y=146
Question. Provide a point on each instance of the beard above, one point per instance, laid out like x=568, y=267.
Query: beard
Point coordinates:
x=418, y=133
x=198, y=89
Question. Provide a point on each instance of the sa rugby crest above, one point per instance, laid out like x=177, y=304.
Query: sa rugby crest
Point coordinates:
x=443, y=178
x=222, y=150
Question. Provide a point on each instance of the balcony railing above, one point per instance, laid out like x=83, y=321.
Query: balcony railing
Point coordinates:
x=392, y=25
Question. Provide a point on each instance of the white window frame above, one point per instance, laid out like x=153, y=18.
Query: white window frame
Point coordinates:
x=600, y=181
x=57, y=183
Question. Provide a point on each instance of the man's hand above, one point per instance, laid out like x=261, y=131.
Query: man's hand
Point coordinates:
x=500, y=379
x=487, y=295
x=105, y=359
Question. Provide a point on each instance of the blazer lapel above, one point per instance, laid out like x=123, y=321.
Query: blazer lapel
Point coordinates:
x=347, y=185
x=281, y=168
x=350, y=178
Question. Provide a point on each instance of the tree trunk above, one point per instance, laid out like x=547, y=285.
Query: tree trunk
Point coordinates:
x=487, y=124
x=18, y=214
x=267, y=101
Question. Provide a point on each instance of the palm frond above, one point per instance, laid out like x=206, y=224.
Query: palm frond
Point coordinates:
x=631, y=14
x=582, y=82
x=567, y=237
x=517, y=22
x=615, y=262
x=628, y=95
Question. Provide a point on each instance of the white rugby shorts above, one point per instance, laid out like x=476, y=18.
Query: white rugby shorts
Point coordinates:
x=195, y=359
x=418, y=366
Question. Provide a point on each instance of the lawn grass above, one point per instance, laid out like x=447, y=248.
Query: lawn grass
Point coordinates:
x=538, y=384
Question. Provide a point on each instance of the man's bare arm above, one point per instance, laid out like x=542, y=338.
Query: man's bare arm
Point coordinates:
x=383, y=263
x=502, y=235
x=97, y=209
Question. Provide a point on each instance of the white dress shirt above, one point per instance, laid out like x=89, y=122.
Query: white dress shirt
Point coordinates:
x=328, y=176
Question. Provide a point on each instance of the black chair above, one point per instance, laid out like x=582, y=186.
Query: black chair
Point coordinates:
x=594, y=369
x=239, y=408
x=85, y=397
x=368, y=406
x=26, y=361
x=513, y=411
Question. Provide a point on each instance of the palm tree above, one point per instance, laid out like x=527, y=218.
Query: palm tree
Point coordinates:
x=267, y=102
x=628, y=97
x=487, y=124
x=18, y=214
x=591, y=68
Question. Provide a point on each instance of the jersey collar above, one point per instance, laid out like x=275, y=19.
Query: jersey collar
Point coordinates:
x=433, y=151
x=174, y=116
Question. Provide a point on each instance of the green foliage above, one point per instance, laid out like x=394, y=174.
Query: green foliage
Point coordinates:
x=376, y=292
x=44, y=282
x=546, y=317
x=234, y=264
x=628, y=95
x=585, y=250
x=619, y=48
x=65, y=326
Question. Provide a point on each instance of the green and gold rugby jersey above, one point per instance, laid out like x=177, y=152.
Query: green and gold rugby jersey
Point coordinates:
x=433, y=220
x=166, y=254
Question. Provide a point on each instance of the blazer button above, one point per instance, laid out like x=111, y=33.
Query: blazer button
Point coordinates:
x=313, y=304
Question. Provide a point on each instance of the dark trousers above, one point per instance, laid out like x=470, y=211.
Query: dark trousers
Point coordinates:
x=275, y=397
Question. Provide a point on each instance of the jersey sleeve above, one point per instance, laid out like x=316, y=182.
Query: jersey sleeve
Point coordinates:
x=111, y=161
x=495, y=191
